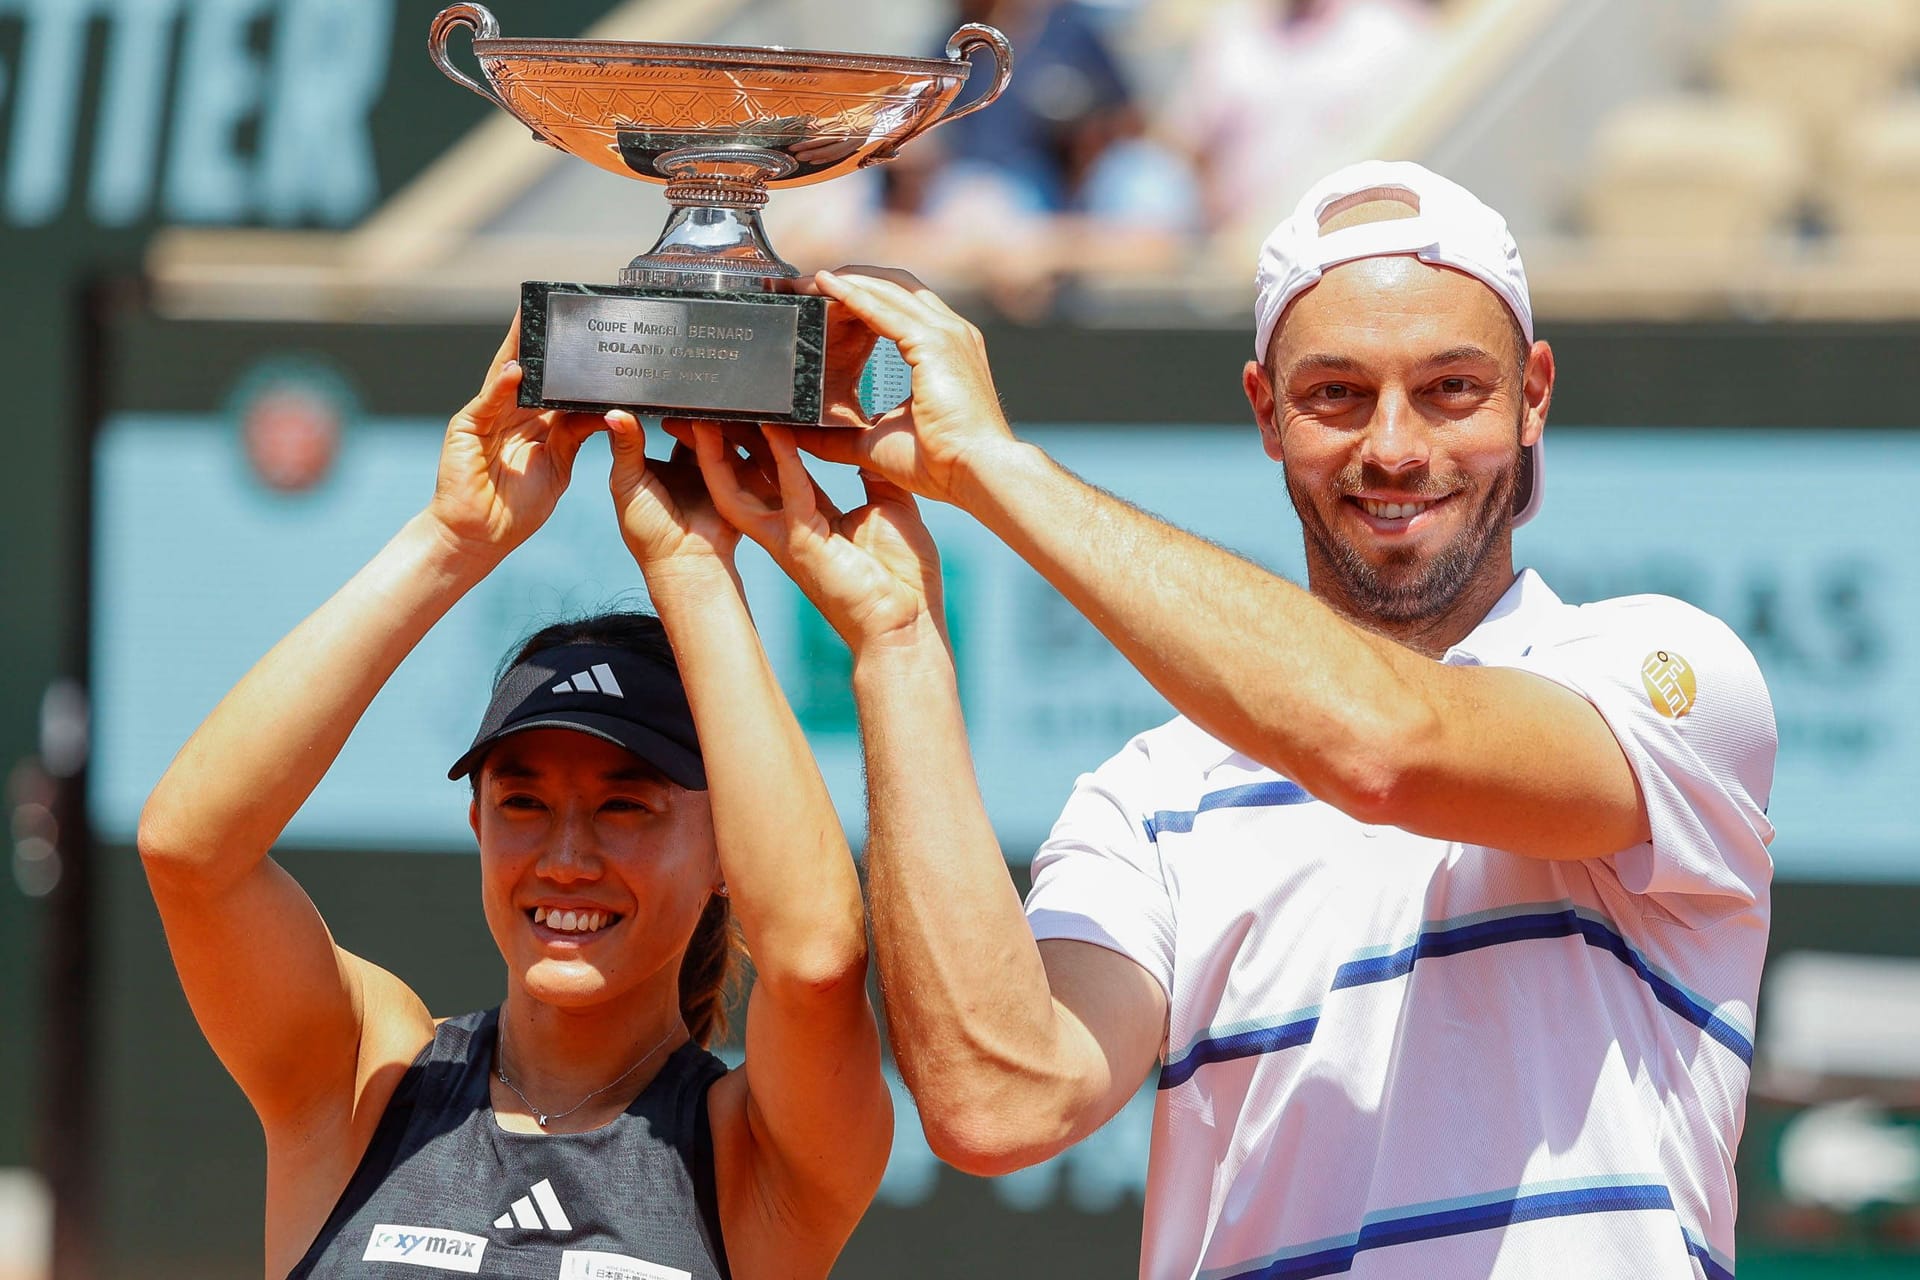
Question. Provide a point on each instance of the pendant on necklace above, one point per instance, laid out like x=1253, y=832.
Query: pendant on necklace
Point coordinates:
x=540, y=1119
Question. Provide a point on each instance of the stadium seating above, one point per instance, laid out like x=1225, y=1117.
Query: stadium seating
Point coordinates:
x=1807, y=130
x=1699, y=169
x=1874, y=190
x=1819, y=61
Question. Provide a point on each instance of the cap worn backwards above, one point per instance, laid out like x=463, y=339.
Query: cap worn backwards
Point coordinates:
x=635, y=702
x=1447, y=225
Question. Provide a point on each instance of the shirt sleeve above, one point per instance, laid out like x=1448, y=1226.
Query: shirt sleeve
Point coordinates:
x=1098, y=877
x=1688, y=705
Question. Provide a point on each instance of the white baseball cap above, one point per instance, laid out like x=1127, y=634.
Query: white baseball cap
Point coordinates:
x=1450, y=227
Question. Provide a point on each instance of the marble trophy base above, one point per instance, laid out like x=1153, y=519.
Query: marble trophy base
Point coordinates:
x=749, y=357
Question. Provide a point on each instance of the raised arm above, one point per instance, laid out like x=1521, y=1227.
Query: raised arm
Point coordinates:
x=300, y=1024
x=1479, y=754
x=815, y=1102
x=1013, y=1050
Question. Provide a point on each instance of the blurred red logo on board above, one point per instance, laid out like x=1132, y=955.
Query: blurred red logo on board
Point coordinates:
x=292, y=414
x=292, y=438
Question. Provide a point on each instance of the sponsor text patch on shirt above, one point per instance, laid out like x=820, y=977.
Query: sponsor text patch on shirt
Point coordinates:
x=587, y=1264
x=434, y=1247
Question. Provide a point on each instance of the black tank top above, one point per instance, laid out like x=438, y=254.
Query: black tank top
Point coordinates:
x=443, y=1188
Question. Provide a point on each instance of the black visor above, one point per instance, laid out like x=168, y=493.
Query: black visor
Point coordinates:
x=620, y=696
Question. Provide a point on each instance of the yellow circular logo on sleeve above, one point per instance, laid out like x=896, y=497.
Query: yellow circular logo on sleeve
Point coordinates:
x=1669, y=682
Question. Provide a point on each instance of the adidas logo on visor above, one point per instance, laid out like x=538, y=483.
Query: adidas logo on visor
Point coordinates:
x=538, y=1210
x=596, y=679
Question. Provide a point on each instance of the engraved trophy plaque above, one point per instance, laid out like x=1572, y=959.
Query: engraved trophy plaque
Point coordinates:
x=692, y=329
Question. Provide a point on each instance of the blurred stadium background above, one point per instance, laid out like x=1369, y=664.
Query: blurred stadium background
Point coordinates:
x=256, y=250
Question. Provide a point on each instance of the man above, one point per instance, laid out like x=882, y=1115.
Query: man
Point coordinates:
x=1442, y=905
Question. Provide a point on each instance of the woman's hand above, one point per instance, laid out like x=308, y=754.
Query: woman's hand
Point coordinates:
x=665, y=513
x=873, y=572
x=502, y=467
x=953, y=420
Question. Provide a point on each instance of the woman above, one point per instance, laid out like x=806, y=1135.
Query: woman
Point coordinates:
x=580, y=1129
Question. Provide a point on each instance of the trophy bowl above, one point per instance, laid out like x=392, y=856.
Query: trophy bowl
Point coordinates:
x=696, y=326
x=719, y=125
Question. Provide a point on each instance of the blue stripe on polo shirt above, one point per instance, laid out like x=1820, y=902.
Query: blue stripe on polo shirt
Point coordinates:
x=1566, y=921
x=1415, y=1223
x=1246, y=1041
x=1453, y=937
x=1715, y=1266
x=1253, y=795
x=1443, y=940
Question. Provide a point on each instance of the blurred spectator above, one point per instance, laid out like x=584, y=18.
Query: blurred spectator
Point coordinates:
x=1271, y=85
x=1066, y=137
x=1056, y=181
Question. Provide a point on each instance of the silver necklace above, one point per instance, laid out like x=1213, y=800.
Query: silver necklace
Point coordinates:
x=542, y=1118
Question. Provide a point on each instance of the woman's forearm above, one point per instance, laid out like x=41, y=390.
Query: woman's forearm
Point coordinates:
x=254, y=761
x=782, y=850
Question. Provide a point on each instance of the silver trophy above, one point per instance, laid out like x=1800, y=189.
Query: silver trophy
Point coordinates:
x=692, y=329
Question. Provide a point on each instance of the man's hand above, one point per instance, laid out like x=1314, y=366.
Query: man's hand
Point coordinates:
x=502, y=467
x=873, y=572
x=952, y=422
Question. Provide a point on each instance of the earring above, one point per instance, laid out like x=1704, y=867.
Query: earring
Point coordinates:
x=721, y=889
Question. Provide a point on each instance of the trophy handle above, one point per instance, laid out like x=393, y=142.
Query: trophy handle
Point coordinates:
x=481, y=22
x=968, y=38
x=973, y=36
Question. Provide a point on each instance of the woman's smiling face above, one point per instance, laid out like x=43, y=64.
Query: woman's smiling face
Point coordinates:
x=594, y=867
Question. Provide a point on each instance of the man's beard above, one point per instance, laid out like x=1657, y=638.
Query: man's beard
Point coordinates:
x=1438, y=581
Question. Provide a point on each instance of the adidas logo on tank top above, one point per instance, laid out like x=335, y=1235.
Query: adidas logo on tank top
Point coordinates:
x=538, y=1210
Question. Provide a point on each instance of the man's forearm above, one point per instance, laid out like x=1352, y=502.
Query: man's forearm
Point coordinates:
x=971, y=1014
x=1249, y=657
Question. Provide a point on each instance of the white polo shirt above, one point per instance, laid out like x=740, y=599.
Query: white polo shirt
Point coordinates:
x=1395, y=1056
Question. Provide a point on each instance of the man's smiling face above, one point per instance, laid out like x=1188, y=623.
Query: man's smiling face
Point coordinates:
x=1398, y=396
